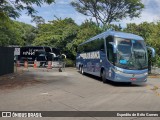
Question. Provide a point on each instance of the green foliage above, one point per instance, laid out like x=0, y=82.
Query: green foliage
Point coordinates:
x=107, y=11
x=150, y=33
x=69, y=62
x=15, y=33
x=5, y=30
x=24, y=32
x=87, y=30
x=66, y=35
x=57, y=33
x=37, y=19
x=158, y=61
x=12, y=9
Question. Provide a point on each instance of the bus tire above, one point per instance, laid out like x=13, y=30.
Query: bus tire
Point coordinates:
x=104, y=76
x=82, y=70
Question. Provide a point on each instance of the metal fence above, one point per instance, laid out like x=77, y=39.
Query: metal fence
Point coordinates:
x=6, y=60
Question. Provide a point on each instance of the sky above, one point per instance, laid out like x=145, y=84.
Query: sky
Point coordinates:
x=63, y=9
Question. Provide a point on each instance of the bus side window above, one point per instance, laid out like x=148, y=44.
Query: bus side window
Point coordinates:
x=110, y=54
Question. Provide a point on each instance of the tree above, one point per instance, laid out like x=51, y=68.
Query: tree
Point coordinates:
x=16, y=33
x=87, y=30
x=107, y=11
x=11, y=32
x=9, y=8
x=38, y=20
x=57, y=33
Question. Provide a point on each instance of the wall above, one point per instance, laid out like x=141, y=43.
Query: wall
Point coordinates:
x=6, y=60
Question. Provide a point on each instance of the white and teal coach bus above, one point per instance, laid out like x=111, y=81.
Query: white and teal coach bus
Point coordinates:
x=114, y=56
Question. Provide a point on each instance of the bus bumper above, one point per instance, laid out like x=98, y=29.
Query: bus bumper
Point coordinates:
x=134, y=78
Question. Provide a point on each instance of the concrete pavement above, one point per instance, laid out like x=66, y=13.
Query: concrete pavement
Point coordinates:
x=71, y=91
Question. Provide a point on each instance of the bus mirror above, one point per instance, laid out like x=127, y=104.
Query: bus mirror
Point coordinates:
x=114, y=46
x=152, y=50
x=53, y=54
x=63, y=56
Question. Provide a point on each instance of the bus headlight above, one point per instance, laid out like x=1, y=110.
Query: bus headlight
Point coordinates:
x=146, y=73
x=117, y=71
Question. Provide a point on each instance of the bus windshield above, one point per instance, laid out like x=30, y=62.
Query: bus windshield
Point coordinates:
x=131, y=54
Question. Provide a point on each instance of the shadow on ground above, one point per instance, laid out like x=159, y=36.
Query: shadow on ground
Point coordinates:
x=117, y=84
x=12, y=81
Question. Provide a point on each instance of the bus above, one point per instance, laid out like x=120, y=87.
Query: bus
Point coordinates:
x=38, y=53
x=114, y=56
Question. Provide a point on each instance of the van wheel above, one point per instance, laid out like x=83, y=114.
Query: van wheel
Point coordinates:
x=104, y=76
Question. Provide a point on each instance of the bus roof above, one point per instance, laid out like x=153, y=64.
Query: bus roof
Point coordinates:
x=116, y=34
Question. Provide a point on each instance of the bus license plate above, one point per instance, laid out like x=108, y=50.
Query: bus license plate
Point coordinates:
x=133, y=79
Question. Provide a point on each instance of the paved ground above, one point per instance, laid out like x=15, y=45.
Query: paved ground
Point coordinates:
x=156, y=70
x=42, y=90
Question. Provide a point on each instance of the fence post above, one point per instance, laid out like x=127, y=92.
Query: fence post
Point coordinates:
x=49, y=65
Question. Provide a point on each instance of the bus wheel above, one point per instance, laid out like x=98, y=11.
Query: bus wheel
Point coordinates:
x=104, y=76
x=81, y=70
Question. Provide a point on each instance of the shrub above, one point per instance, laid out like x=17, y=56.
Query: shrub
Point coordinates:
x=158, y=61
x=69, y=63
